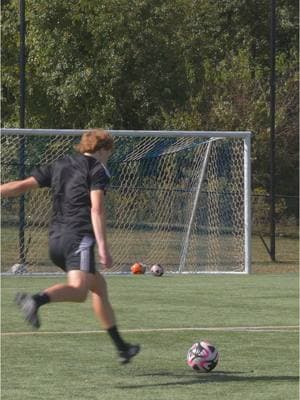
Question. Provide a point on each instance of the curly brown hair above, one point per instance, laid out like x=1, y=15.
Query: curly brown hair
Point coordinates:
x=94, y=140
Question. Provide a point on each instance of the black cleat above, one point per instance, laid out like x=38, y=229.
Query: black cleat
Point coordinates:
x=29, y=308
x=125, y=356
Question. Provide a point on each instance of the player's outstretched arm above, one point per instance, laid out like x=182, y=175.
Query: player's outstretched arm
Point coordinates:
x=15, y=188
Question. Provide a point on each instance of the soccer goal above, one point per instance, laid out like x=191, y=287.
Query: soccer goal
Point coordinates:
x=177, y=198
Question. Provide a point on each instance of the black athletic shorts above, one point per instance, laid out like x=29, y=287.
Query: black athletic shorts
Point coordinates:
x=73, y=252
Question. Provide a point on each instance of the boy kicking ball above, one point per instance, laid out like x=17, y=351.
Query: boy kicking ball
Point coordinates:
x=78, y=183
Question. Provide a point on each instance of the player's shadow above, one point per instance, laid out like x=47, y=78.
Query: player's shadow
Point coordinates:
x=203, y=378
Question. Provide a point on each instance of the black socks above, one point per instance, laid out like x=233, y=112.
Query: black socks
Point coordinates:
x=41, y=299
x=116, y=338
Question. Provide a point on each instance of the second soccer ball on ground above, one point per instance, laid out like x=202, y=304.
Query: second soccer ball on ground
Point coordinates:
x=157, y=270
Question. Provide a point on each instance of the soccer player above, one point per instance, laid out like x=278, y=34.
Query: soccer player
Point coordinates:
x=78, y=183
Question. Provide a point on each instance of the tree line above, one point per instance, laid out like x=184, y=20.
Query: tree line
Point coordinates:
x=158, y=64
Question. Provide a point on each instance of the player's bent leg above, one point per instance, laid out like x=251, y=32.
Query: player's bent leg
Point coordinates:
x=75, y=290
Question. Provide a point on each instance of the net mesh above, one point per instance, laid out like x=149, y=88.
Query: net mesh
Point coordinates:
x=149, y=204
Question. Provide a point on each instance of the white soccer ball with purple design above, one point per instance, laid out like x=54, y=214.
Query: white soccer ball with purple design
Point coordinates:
x=203, y=356
x=157, y=270
x=18, y=269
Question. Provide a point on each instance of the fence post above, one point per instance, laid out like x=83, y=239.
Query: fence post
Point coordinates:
x=22, y=64
x=272, y=130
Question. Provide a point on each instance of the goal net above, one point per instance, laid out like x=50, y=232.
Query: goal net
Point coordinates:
x=177, y=198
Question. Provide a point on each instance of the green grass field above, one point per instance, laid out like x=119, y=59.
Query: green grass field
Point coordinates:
x=251, y=319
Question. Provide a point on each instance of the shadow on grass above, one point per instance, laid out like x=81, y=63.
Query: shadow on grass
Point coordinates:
x=212, y=377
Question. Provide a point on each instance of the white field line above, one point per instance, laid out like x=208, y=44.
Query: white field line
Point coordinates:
x=277, y=328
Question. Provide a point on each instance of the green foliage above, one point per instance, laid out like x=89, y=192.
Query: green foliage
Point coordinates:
x=163, y=64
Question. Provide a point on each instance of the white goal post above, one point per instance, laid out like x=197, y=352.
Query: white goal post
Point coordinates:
x=177, y=198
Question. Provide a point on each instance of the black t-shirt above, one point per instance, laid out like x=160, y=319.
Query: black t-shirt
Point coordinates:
x=71, y=179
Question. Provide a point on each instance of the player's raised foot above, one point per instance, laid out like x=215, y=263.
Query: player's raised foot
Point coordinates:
x=126, y=356
x=29, y=309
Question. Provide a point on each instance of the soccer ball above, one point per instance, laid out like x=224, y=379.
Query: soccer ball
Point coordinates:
x=18, y=269
x=138, y=269
x=157, y=270
x=202, y=356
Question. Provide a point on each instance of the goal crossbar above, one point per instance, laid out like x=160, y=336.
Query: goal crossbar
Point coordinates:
x=142, y=133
